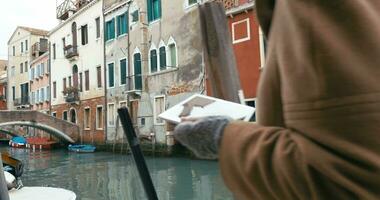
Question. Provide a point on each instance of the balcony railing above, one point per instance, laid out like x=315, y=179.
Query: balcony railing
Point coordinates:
x=39, y=47
x=72, y=97
x=65, y=8
x=21, y=101
x=70, y=51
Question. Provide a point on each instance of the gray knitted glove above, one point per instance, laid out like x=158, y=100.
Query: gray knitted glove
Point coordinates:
x=203, y=135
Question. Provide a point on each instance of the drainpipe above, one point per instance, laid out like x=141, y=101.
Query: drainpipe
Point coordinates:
x=49, y=63
x=129, y=58
x=105, y=123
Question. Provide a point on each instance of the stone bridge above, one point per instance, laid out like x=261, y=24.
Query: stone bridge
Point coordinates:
x=63, y=130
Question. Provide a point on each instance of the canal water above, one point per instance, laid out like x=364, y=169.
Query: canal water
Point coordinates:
x=107, y=176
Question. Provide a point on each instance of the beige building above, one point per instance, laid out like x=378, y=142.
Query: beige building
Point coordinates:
x=19, y=59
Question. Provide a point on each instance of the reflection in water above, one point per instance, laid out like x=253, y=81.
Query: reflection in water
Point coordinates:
x=112, y=177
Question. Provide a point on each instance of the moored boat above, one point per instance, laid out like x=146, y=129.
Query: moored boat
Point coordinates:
x=18, y=142
x=81, y=148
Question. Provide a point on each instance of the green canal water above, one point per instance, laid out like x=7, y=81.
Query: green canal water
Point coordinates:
x=102, y=175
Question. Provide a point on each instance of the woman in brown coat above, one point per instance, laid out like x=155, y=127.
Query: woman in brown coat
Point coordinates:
x=318, y=130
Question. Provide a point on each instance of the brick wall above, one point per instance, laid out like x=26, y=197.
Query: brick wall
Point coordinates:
x=91, y=136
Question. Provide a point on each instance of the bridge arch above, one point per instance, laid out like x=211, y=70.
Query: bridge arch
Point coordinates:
x=51, y=130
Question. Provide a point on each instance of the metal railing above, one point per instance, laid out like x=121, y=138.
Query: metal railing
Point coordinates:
x=72, y=97
x=64, y=8
x=21, y=101
x=70, y=51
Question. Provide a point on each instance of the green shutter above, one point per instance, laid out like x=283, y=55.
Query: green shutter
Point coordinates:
x=112, y=29
x=111, y=78
x=137, y=71
x=153, y=61
x=162, y=58
x=123, y=71
x=126, y=22
x=149, y=10
x=118, y=25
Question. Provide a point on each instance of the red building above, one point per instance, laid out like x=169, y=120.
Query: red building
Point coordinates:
x=248, y=43
x=3, y=85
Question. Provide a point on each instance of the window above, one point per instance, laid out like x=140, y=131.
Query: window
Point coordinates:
x=87, y=118
x=137, y=71
x=162, y=51
x=14, y=50
x=99, y=76
x=172, y=51
x=153, y=60
x=64, y=84
x=54, y=52
x=22, y=47
x=110, y=30
x=54, y=114
x=13, y=71
x=154, y=10
x=80, y=82
x=252, y=103
x=97, y=22
x=54, y=89
x=123, y=71
x=47, y=93
x=122, y=24
x=87, y=80
x=111, y=75
x=13, y=93
x=99, y=117
x=191, y=2
x=84, y=34
x=135, y=16
x=42, y=69
x=111, y=114
x=241, y=31
x=26, y=66
x=26, y=45
x=21, y=68
x=64, y=115
x=69, y=81
x=63, y=43
x=159, y=107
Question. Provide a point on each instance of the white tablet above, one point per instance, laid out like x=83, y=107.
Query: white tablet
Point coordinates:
x=202, y=106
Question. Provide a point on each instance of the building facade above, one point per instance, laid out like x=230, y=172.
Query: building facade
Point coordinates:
x=40, y=83
x=3, y=84
x=161, y=66
x=77, y=66
x=249, y=45
x=19, y=58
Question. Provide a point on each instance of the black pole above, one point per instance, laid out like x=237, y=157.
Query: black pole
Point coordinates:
x=133, y=142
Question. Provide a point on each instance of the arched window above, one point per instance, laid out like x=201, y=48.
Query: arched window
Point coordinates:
x=162, y=53
x=153, y=59
x=73, y=116
x=172, y=53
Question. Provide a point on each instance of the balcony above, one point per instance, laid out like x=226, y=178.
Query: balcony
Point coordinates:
x=64, y=8
x=23, y=101
x=71, y=94
x=39, y=48
x=70, y=51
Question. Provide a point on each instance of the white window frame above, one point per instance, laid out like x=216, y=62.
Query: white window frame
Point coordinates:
x=262, y=49
x=108, y=71
x=114, y=115
x=187, y=5
x=153, y=47
x=236, y=41
x=84, y=118
x=154, y=109
x=96, y=118
x=133, y=7
x=126, y=73
x=168, y=55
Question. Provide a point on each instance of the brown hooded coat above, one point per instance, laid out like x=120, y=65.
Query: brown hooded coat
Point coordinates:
x=318, y=130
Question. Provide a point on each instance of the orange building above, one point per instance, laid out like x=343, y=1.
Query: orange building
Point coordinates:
x=39, y=83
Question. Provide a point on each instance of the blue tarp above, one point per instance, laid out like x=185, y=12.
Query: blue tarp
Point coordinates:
x=19, y=140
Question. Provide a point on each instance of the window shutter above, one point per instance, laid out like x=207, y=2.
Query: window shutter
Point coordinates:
x=149, y=10
x=159, y=9
x=162, y=58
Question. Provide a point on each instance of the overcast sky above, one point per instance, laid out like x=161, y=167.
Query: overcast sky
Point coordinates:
x=32, y=13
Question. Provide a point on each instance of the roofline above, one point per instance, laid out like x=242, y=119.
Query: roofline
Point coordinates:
x=23, y=27
x=72, y=17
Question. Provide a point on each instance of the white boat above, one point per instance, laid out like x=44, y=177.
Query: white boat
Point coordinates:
x=41, y=193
